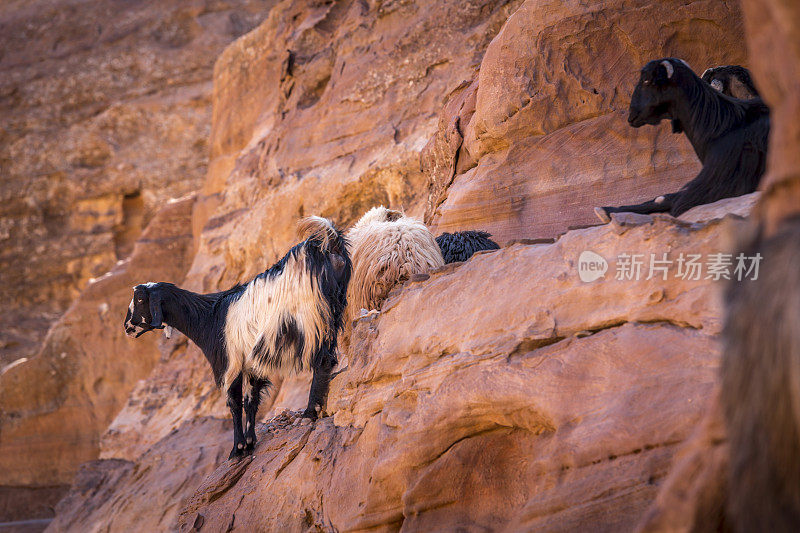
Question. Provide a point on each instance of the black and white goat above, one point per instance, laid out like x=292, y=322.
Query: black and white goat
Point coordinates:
x=461, y=245
x=285, y=319
x=728, y=135
x=732, y=80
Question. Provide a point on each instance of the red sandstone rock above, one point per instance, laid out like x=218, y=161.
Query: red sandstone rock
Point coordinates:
x=146, y=495
x=105, y=117
x=695, y=490
x=56, y=404
x=549, y=405
x=774, y=25
x=324, y=109
x=541, y=137
x=544, y=402
x=692, y=497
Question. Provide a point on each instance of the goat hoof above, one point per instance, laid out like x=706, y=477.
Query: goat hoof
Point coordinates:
x=237, y=452
x=310, y=413
x=602, y=215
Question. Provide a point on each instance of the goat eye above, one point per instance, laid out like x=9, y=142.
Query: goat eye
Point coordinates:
x=139, y=300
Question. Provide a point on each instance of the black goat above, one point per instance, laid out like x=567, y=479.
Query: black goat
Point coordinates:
x=461, y=245
x=731, y=80
x=285, y=319
x=728, y=135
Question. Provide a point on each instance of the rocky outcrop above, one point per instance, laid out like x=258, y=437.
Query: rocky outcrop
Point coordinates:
x=324, y=109
x=536, y=407
x=540, y=136
x=110, y=494
x=775, y=25
x=106, y=109
x=695, y=494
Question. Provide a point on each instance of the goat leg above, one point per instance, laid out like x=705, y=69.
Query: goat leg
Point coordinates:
x=662, y=204
x=252, y=399
x=235, y=405
x=320, y=384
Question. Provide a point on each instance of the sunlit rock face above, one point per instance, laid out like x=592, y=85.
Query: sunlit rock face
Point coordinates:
x=545, y=402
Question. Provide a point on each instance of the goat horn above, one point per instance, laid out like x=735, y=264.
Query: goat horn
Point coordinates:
x=669, y=67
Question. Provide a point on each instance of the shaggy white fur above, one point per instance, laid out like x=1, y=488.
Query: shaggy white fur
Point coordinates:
x=386, y=248
x=270, y=302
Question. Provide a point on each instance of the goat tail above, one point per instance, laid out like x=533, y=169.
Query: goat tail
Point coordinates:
x=323, y=230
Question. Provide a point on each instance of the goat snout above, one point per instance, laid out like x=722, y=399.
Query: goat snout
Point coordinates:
x=134, y=330
x=634, y=118
x=130, y=330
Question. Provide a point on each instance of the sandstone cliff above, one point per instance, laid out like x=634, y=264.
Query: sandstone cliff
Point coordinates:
x=106, y=110
x=106, y=116
x=528, y=410
x=503, y=393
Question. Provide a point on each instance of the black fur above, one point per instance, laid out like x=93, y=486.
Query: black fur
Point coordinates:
x=761, y=388
x=235, y=404
x=289, y=336
x=201, y=317
x=461, y=245
x=728, y=75
x=251, y=403
x=728, y=135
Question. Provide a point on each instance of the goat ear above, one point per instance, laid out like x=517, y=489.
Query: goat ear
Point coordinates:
x=393, y=215
x=156, y=316
x=668, y=67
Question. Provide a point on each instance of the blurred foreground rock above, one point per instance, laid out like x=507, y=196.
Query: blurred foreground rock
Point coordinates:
x=692, y=497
